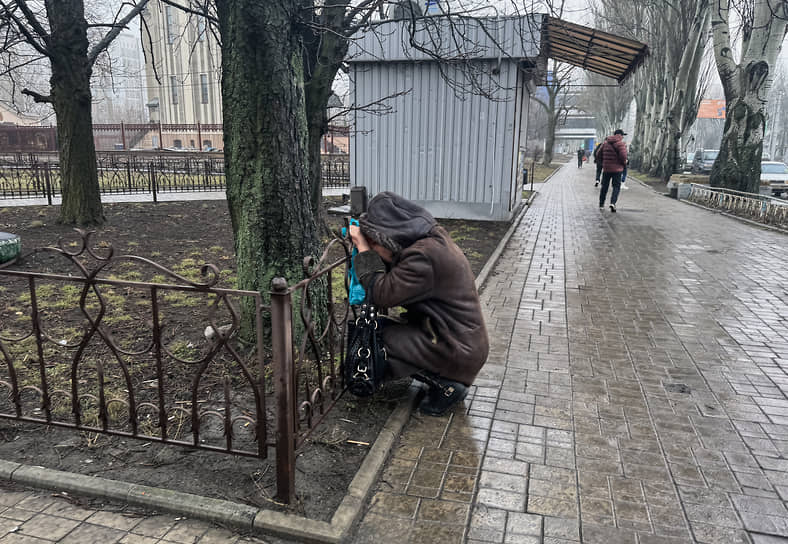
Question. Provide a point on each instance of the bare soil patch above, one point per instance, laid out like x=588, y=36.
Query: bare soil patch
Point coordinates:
x=181, y=236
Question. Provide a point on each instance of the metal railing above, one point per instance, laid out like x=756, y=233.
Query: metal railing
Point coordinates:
x=761, y=208
x=97, y=348
x=24, y=176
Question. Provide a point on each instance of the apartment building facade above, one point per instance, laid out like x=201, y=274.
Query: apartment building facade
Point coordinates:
x=182, y=67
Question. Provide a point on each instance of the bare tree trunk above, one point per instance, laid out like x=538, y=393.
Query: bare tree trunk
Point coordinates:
x=549, y=140
x=265, y=135
x=71, y=99
x=325, y=49
x=746, y=86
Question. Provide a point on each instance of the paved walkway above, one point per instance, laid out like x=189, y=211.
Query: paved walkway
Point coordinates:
x=635, y=393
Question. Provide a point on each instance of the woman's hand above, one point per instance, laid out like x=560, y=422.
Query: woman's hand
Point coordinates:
x=359, y=240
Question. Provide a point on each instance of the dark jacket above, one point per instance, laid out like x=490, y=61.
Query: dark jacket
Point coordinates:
x=614, y=154
x=597, y=155
x=431, y=278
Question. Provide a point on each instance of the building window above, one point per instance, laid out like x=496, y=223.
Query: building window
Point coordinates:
x=172, y=29
x=204, y=88
x=177, y=144
x=201, y=29
x=174, y=85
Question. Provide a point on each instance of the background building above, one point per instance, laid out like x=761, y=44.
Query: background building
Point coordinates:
x=118, y=83
x=578, y=129
x=183, y=68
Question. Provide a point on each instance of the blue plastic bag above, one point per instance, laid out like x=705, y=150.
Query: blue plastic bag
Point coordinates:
x=356, y=293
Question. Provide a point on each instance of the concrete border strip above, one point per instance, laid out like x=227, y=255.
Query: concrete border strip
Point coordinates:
x=242, y=516
x=235, y=515
x=721, y=212
x=488, y=266
x=485, y=271
x=733, y=216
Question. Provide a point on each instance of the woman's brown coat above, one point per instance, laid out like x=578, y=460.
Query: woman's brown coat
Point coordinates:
x=433, y=281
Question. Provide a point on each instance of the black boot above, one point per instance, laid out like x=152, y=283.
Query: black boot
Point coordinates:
x=441, y=395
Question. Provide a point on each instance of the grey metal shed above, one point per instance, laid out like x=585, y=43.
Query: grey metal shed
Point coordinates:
x=451, y=101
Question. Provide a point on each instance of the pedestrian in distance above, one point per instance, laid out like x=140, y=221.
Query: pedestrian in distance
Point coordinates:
x=581, y=155
x=598, y=162
x=614, y=160
x=406, y=259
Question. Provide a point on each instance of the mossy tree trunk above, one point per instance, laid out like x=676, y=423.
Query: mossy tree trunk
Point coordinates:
x=71, y=99
x=746, y=85
x=266, y=143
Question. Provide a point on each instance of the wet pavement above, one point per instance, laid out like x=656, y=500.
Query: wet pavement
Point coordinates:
x=635, y=393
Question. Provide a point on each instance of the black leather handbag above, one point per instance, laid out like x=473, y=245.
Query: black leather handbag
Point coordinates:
x=365, y=360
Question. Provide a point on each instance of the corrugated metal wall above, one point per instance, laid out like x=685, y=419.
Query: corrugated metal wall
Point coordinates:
x=452, y=150
x=449, y=37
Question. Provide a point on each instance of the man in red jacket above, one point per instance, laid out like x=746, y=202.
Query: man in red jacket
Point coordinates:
x=614, y=160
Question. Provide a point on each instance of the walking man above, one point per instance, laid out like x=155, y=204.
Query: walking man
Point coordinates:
x=614, y=159
x=580, y=156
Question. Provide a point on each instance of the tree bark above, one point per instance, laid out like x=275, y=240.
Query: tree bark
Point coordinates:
x=555, y=106
x=71, y=100
x=265, y=135
x=746, y=85
x=549, y=140
x=325, y=49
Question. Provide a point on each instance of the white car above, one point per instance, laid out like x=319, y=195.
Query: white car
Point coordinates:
x=774, y=172
x=774, y=176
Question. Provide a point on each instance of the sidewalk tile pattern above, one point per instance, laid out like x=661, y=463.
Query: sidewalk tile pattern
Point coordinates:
x=635, y=390
x=635, y=393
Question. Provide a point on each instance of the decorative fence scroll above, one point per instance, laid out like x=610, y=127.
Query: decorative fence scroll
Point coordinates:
x=123, y=346
x=760, y=208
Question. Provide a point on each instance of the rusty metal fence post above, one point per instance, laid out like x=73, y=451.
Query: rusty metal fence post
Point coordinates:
x=284, y=382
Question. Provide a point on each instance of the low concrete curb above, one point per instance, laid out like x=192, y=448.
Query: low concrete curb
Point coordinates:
x=732, y=216
x=726, y=214
x=241, y=516
x=482, y=277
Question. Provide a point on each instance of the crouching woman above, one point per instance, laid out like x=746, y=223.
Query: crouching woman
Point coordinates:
x=406, y=259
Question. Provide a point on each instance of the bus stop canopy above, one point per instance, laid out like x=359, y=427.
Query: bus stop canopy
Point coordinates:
x=596, y=51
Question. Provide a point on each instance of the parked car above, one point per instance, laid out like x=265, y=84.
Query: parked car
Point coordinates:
x=704, y=160
x=687, y=165
x=774, y=172
x=774, y=176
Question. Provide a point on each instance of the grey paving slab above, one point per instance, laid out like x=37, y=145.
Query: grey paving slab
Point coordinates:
x=636, y=381
x=635, y=392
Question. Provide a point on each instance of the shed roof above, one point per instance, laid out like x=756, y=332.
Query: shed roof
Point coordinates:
x=596, y=51
x=514, y=38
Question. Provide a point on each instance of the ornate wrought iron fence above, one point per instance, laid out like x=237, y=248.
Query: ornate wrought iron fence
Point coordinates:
x=335, y=171
x=24, y=176
x=760, y=208
x=103, y=348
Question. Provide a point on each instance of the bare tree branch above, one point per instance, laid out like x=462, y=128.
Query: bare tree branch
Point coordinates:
x=39, y=98
x=30, y=36
x=112, y=34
